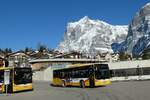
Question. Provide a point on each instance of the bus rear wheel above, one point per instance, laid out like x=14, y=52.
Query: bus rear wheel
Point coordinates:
x=82, y=85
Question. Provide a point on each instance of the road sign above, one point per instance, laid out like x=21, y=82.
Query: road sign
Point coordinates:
x=7, y=77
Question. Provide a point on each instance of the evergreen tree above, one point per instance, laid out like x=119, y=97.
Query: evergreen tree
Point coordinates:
x=7, y=50
x=41, y=48
x=146, y=54
x=123, y=56
x=27, y=49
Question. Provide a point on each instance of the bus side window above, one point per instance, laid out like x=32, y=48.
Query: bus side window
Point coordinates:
x=55, y=74
x=62, y=75
x=91, y=70
x=73, y=74
x=70, y=74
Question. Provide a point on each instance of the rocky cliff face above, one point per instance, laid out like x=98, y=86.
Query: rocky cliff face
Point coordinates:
x=138, y=37
x=92, y=36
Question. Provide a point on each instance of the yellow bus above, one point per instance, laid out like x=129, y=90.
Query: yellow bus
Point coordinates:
x=83, y=75
x=20, y=79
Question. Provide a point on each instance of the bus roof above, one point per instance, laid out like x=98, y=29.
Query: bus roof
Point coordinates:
x=6, y=68
x=82, y=65
x=79, y=65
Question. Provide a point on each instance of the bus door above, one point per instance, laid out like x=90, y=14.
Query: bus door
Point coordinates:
x=1, y=80
x=10, y=86
x=91, y=77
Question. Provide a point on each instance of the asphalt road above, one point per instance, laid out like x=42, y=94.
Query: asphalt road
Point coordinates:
x=133, y=90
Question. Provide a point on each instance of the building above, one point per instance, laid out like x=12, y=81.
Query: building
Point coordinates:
x=18, y=59
x=40, y=55
x=71, y=55
x=3, y=62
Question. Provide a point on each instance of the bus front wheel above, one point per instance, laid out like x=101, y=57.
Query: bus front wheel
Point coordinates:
x=63, y=84
x=82, y=85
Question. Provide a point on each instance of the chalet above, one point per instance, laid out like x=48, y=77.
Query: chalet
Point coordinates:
x=18, y=59
x=3, y=62
x=71, y=55
x=40, y=55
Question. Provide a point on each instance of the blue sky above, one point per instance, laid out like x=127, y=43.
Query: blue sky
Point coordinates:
x=26, y=23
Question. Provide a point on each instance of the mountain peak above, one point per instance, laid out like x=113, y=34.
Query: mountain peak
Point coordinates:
x=146, y=5
x=84, y=19
x=91, y=36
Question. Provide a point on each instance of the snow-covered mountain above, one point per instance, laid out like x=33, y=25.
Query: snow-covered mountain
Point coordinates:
x=138, y=37
x=91, y=36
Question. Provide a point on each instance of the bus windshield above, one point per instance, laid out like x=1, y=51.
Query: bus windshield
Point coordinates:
x=23, y=76
x=102, y=72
